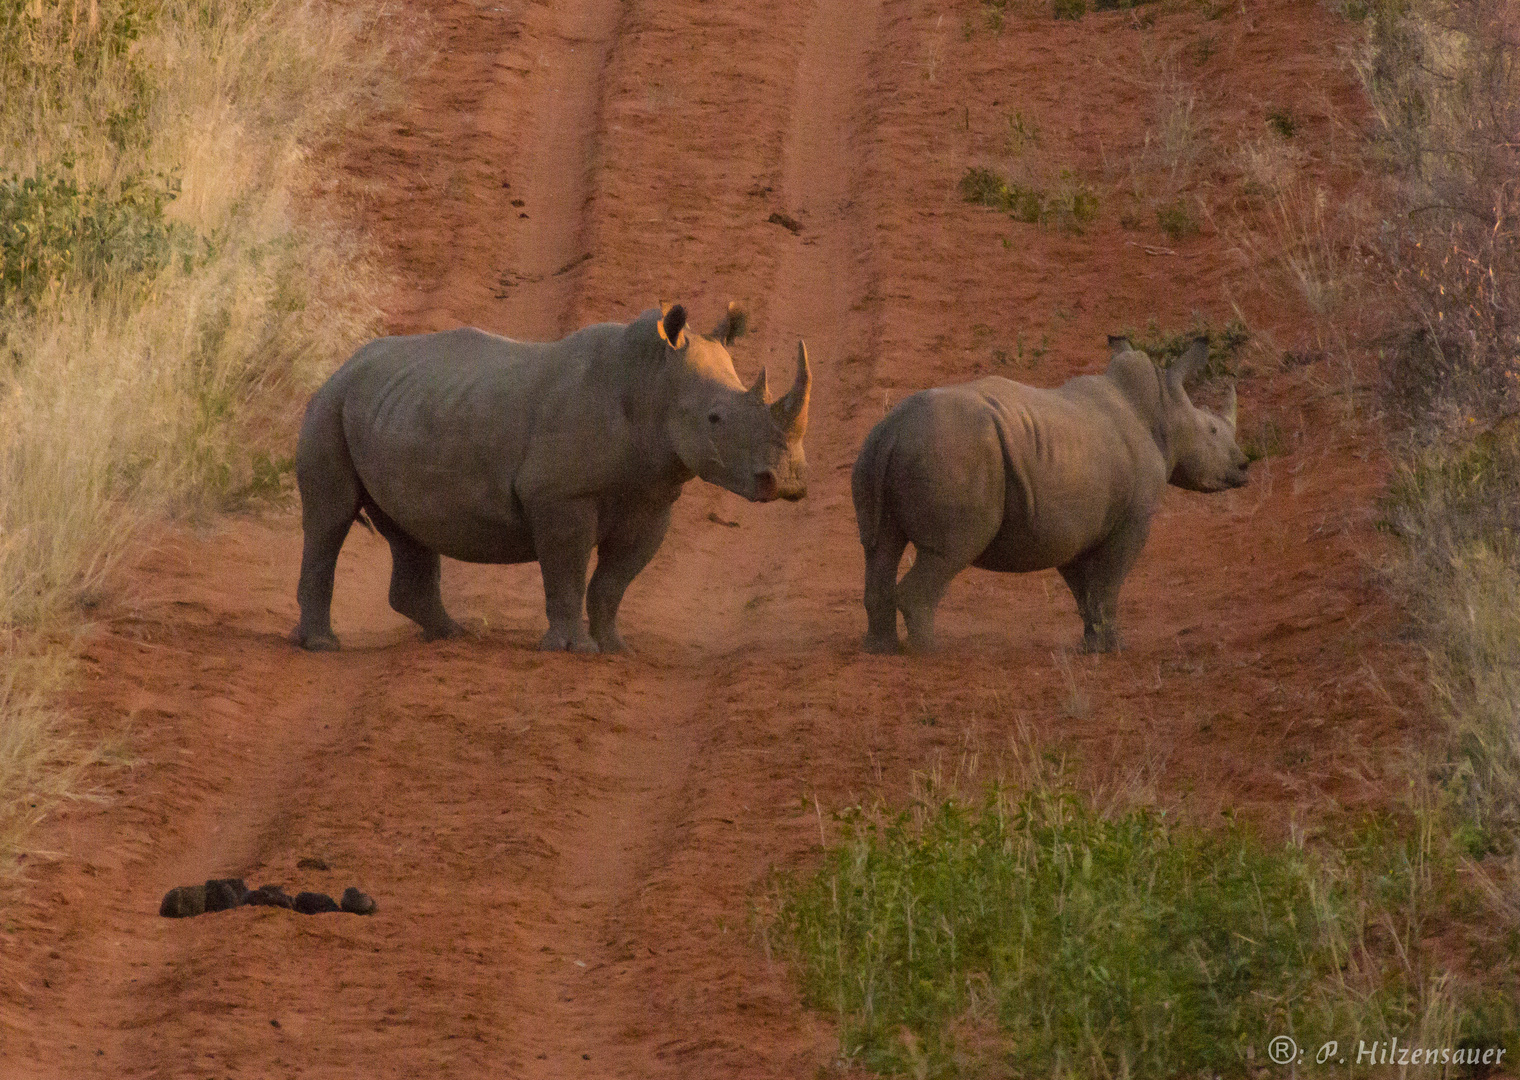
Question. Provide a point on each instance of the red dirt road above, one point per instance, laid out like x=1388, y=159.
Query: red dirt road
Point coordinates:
x=567, y=851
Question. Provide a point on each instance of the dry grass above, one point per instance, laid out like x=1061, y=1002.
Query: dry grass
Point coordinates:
x=40, y=763
x=136, y=343
x=1445, y=82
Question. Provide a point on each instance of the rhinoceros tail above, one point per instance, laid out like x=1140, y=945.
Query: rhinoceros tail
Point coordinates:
x=363, y=519
x=868, y=484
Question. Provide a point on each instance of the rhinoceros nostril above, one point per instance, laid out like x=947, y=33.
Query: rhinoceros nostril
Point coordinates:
x=766, y=486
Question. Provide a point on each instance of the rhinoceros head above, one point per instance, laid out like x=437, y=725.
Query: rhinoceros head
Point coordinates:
x=1201, y=445
x=724, y=433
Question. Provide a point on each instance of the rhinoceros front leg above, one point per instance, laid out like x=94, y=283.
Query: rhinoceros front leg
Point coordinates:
x=1094, y=579
x=563, y=535
x=624, y=551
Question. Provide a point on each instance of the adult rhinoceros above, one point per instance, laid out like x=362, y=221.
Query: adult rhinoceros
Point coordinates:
x=496, y=451
x=1008, y=477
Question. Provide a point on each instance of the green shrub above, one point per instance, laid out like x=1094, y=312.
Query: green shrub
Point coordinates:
x=1176, y=219
x=1033, y=935
x=1068, y=9
x=55, y=234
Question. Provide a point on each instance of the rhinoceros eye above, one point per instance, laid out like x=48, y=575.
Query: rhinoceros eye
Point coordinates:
x=714, y=418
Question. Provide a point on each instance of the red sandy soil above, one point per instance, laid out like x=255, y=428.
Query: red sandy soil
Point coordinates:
x=567, y=851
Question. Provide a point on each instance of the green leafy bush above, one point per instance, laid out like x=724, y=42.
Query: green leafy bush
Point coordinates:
x=1034, y=935
x=55, y=234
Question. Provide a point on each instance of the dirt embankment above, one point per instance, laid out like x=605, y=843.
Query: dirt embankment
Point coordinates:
x=566, y=850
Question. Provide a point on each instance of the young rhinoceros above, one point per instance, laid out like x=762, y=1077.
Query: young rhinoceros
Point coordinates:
x=1009, y=477
x=489, y=450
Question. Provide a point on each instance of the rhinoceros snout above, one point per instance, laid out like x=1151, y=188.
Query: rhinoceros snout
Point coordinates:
x=768, y=488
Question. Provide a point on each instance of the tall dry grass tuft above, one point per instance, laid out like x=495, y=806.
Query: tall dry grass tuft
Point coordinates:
x=167, y=289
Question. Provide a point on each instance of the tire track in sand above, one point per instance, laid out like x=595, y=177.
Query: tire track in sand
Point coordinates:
x=639, y=971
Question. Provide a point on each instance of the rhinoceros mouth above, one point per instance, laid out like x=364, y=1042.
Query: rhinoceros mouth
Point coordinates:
x=766, y=487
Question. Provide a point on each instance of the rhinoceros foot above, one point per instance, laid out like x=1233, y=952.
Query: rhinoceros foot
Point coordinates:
x=881, y=645
x=314, y=641
x=611, y=643
x=1102, y=642
x=559, y=641
x=442, y=631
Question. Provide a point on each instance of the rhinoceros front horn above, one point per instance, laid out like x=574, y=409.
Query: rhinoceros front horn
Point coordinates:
x=790, y=413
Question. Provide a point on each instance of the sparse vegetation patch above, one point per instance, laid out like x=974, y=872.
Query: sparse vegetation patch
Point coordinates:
x=1445, y=81
x=1071, y=205
x=1165, y=346
x=1033, y=934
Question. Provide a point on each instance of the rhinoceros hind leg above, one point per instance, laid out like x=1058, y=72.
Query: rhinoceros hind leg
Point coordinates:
x=319, y=562
x=920, y=592
x=416, y=577
x=881, y=592
x=624, y=551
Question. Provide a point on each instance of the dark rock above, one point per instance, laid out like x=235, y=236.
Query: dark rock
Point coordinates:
x=787, y=222
x=183, y=901
x=358, y=903
x=314, y=903
x=268, y=896
x=224, y=894
x=312, y=862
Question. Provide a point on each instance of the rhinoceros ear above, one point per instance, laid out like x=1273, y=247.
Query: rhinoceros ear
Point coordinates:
x=1118, y=343
x=1189, y=363
x=673, y=326
x=733, y=325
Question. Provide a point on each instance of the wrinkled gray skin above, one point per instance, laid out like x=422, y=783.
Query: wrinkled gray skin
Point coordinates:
x=1008, y=477
x=489, y=450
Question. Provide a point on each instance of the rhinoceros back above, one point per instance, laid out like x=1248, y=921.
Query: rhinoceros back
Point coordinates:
x=439, y=426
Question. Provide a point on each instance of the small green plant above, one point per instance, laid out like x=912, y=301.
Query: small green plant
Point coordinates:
x=1176, y=219
x=1202, y=49
x=1068, y=9
x=1073, y=205
x=986, y=188
x=1281, y=121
